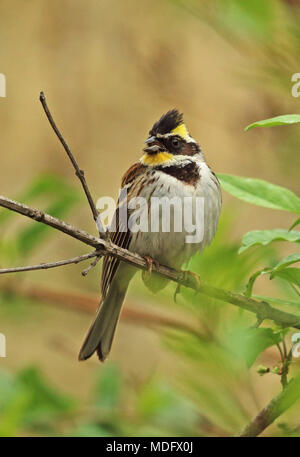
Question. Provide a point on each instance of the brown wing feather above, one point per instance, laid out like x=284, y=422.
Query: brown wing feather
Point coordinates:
x=132, y=173
x=122, y=239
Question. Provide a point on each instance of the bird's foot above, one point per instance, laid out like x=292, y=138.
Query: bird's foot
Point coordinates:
x=150, y=261
x=187, y=277
x=177, y=291
x=191, y=278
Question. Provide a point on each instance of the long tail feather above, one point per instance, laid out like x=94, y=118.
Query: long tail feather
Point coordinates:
x=101, y=333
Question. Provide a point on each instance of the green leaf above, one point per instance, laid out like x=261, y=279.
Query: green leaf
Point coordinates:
x=278, y=301
x=251, y=342
x=289, y=260
x=289, y=274
x=285, y=119
x=297, y=222
x=261, y=193
x=262, y=369
x=249, y=286
x=288, y=397
x=265, y=237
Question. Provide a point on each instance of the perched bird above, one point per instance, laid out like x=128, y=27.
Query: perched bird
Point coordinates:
x=172, y=165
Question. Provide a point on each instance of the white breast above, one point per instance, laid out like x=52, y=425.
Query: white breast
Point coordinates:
x=171, y=248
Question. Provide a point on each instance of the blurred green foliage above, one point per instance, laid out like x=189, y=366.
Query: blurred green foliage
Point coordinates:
x=61, y=196
x=212, y=393
x=27, y=403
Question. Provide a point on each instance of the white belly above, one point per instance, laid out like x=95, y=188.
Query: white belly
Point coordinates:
x=172, y=247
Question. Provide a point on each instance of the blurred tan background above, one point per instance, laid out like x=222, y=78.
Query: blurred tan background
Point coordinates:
x=109, y=70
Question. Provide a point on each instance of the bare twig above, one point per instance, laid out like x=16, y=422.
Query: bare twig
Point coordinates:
x=45, y=266
x=259, y=308
x=274, y=409
x=285, y=354
x=284, y=368
x=79, y=173
x=92, y=265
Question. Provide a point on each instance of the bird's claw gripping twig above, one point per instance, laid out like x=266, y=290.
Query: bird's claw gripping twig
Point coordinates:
x=150, y=263
x=177, y=291
x=146, y=274
x=186, y=275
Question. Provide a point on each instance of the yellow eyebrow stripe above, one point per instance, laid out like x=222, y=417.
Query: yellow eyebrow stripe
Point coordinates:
x=182, y=131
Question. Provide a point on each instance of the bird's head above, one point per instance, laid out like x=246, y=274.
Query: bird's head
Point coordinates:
x=168, y=141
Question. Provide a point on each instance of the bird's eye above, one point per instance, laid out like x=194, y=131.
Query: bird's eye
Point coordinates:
x=175, y=142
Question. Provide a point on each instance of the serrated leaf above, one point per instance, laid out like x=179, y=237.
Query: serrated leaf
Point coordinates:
x=285, y=119
x=265, y=237
x=261, y=193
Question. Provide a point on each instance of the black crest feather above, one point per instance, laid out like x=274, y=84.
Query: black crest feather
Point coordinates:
x=167, y=122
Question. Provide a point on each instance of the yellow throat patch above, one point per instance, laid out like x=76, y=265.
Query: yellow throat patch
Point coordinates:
x=156, y=159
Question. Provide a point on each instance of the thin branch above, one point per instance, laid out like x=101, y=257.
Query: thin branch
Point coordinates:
x=280, y=351
x=260, y=308
x=284, y=369
x=46, y=266
x=79, y=173
x=92, y=265
x=274, y=409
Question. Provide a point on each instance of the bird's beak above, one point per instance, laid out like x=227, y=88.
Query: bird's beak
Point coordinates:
x=152, y=149
x=154, y=145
